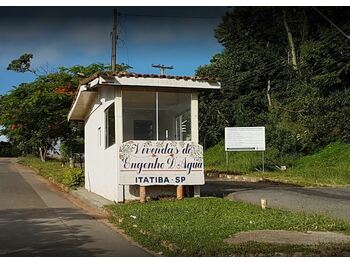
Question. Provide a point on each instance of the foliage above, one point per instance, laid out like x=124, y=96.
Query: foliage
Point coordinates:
x=8, y=150
x=198, y=227
x=71, y=177
x=22, y=64
x=309, y=106
x=34, y=115
x=74, y=143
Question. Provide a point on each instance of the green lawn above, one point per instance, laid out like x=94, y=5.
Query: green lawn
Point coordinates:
x=71, y=177
x=329, y=166
x=198, y=226
x=239, y=162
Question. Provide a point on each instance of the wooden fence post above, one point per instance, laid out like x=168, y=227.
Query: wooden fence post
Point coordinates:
x=142, y=194
x=179, y=192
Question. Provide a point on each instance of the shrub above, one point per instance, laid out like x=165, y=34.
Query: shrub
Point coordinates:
x=73, y=177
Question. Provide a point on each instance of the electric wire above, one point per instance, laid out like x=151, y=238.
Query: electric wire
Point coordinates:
x=330, y=21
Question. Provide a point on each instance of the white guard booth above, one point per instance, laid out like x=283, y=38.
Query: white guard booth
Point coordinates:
x=140, y=129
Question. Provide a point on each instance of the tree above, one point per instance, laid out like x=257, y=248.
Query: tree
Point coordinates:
x=22, y=64
x=34, y=115
x=284, y=68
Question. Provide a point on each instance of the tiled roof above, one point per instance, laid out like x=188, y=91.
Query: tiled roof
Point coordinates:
x=136, y=75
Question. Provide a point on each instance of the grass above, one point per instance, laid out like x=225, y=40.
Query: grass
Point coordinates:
x=71, y=177
x=198, y=227
x=239, y=162
x=329, y=166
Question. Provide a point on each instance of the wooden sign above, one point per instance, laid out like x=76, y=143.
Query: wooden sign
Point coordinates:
x=161, y=163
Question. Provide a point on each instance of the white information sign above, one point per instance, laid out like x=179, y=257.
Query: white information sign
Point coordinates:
x=244, y=139
x=161, y=163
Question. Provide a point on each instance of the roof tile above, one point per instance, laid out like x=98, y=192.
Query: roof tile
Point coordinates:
x=136, y=75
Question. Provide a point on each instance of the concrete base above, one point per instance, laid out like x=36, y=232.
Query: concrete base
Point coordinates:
x=91, y=198
x=288, y=237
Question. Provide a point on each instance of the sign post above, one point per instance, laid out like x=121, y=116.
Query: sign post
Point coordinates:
x=179, y=192
x=241, y=139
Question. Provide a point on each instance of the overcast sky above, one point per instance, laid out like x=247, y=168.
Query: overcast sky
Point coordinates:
x=66, y=36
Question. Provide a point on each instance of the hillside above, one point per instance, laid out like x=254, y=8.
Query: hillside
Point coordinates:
x=329, y=166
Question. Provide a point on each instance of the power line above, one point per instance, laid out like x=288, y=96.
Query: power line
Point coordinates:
x=341, y=31
x=259, y=72
x=238, y=82
x=123, y=39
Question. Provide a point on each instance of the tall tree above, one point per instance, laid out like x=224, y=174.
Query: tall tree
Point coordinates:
x=284, y=68
x=34, y=115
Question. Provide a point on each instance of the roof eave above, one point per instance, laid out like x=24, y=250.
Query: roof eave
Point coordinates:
x=159, y=82
x=81, y=104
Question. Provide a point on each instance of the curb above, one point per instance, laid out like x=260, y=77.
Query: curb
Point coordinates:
x=93, y=203
x=215, y=175
x=237, y=178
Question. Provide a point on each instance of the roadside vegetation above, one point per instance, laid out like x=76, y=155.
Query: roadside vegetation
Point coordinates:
x=52, y=169
x=287, y=69
x=329, y=166
x=33, y=116
x=198, y=227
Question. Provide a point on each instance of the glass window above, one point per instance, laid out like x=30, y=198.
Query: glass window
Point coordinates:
x=142, y=120
x=139, y=115
x=110, y=125
x=174, y=116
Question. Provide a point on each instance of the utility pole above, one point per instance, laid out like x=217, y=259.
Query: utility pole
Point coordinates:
x=114, y=40
x=162, y=68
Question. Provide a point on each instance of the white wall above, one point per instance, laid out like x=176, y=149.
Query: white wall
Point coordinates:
x=100, y=163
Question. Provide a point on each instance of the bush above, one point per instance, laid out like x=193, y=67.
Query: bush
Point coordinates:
x=73, y=177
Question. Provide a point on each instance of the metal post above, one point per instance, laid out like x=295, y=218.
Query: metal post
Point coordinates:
x=157, y=115
x=227, y=159
x=114, y=40
x=263, y=162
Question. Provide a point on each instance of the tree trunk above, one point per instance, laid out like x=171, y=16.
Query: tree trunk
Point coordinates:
x=290, y=40
x=43, y=153
x=269, y=101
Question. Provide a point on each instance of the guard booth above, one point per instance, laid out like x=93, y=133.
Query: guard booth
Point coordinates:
x=140, y=130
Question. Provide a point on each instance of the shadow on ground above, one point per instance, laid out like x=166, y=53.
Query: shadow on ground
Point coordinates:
x=44, y=232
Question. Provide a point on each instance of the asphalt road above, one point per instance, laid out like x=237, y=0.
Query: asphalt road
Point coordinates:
x=334, y=202
x=37, y=220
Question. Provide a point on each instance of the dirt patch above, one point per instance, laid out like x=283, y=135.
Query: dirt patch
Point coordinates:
x=288, y=237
